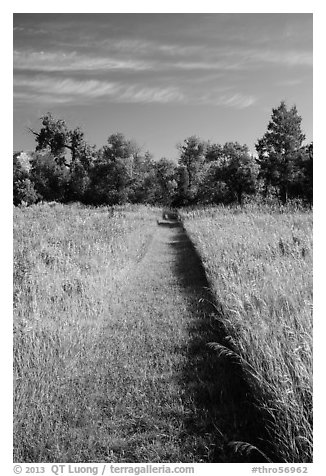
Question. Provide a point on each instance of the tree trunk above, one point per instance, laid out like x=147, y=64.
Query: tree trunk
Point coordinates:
x=284, y=194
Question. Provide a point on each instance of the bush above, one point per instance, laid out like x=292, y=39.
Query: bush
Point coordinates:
x=25, y=193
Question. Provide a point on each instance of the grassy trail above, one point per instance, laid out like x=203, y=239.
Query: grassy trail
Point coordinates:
x=172, y=406
x=111, y=358
x=157, y=312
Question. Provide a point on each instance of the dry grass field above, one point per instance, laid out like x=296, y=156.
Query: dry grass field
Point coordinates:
x=119, y=356
x=70, y=263
x=259, y=266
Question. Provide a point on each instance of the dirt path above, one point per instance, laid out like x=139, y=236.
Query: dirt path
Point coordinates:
x=187, y=404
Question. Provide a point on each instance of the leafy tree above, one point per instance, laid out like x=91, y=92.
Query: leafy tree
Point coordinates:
x=19, y=171
x=144, y=187
x=23, y=188
x=302, y=186
x=165, y=173
x=118, y=147
x=50, y=178
x=80, y=170
x=143, y=179
x=79, y=181
x=213, y=152
x=53, y=136
x=213, y=188
x=238, y=170
x=192, y=158
x=24, y=192
x=111, y=175
x=230, y=173
x=277, y=149
x=181, y=195
x=307, y=166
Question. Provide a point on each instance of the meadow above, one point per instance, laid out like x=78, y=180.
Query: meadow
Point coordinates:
x=118, y=357
x=259, y=266
x=69, y=263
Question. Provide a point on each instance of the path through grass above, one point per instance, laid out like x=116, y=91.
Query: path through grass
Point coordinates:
x=111, y=355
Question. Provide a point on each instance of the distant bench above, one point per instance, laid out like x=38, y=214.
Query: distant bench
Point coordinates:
x=170, y=215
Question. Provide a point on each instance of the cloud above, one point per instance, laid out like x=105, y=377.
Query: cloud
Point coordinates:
x=289, y=57
x=231, y=99
x=70, y=91
x=135, y=55
x=61, y=61
x=151, y=94
x=239, y=101
x=45, y=89
x=47, y=62
x=207, y=65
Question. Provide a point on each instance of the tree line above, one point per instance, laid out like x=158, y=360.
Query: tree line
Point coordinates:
x=65, y=168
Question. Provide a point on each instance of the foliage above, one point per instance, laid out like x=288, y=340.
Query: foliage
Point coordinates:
x=53, y=135
x=66, y=168
x=278, y=149
x=24, y=192
x=50, y=176
x=166, y=184
x=191, y=158
x=142, y=177
x=213, y=152
x=213, y=188
x=238, y=170
x=111, y=174
x=303, y=184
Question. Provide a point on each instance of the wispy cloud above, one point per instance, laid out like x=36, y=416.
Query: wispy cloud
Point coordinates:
x=286, y=57
x=139, y=55
x=239, y=101
x=61, y=61
x=191, y=71
x=140, y=70
x=71, y=91
x=230, y=99
x=45, y=89
x=213, y=65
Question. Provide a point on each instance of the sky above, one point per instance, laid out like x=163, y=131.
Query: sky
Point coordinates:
x=160, y=78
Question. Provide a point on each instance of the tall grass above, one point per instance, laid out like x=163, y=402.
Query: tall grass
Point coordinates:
x=69, y=263
x=259, y=264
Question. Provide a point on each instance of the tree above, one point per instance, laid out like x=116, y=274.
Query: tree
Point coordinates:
x=181, y=195
x=53, y=136
x=50, y=177
x=165, y=174
x=119, y=147
x=23, y=187
x=213, y=152
x=111, y=175
x=230, y=173
x=56, y=139
x=142, y=184
x=24, y=192
x=192, y=158
x=80, y=169
x=239, y=170
x=303, y=184
x=277, y=149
